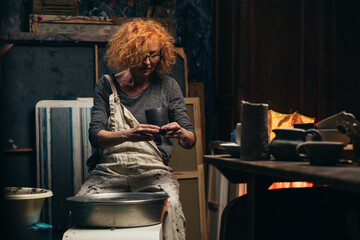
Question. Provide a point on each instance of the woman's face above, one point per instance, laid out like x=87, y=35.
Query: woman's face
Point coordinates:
x=149, y=62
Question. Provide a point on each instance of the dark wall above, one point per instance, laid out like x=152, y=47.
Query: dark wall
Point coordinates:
x=298, y=55
x=347, y=47
x=14, y=16
x=30, y=73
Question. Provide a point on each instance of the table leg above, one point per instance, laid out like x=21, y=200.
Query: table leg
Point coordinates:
x=256, y=189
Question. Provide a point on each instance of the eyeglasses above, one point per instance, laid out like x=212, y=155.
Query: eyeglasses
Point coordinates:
x=154, y=58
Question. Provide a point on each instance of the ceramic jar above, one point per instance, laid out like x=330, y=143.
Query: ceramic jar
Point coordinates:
x=283, y=146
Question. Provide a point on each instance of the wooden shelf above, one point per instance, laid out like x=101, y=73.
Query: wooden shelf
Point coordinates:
x=18, y=150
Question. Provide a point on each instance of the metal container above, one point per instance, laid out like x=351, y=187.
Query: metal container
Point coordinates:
x=130, y=209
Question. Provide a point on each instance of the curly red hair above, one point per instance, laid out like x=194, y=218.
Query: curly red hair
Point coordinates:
x=130, y=44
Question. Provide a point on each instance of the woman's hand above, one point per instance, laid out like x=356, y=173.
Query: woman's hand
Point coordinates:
x=174, y=130
x=142, y=132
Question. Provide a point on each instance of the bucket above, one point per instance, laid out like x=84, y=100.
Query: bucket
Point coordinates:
x=27, y=202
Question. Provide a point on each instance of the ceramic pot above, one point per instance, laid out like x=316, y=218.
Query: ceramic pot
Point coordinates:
x=283, y=146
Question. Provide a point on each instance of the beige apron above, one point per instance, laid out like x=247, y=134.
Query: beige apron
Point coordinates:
x=136, y=167
x=127, y=157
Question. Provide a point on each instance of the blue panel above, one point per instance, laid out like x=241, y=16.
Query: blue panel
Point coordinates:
x=62, y=150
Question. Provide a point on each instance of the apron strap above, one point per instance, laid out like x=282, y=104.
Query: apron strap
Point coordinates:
x=112, y=85
x=129, y=118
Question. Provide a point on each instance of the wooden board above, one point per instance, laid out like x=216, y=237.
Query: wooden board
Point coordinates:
x=188, y=167
x=196, y=89
x=84, y=24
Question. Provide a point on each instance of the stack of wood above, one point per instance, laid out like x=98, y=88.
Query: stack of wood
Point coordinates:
x=56, y=7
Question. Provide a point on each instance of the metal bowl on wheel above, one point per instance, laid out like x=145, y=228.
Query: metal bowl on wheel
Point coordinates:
x=130, y=209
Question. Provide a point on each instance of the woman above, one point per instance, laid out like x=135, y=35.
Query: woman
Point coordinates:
x=127, y=158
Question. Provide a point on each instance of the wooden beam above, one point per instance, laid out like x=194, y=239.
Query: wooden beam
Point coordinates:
x=17, y=150
x=5, y=48
x=186, y=175
x=197, y=125
x=202, y=201
x=96, y=59
x=83, y=21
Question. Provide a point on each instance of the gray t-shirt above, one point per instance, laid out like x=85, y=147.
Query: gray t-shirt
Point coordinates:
x=163, y=91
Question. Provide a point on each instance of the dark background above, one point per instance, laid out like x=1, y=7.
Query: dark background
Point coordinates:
x=300, y=55
x=296, y=55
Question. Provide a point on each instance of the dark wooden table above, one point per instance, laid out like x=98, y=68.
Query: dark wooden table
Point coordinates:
x=260, y=174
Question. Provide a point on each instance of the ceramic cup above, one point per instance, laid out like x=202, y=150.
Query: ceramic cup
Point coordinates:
x=158, y=117
x=320, y=153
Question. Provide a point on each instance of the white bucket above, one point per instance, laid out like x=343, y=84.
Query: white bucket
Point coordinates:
x=27, y=201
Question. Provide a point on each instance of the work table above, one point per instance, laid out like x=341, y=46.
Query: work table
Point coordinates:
x=344, y=176
x=260, y=174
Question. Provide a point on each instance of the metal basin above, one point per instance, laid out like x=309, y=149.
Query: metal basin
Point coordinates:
x=118, y=209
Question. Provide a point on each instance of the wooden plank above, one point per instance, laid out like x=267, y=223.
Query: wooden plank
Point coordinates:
x=82, y=21
x=78, y=22
x=5, y=48
x=197, y=125
x=197, y=90
x=96, y=59
x=202, y=201
x=199, y=146
x=186, y=174
x=189, y=198
x=199, y=175
x=18, y=150
x=193, y=177
x=85, y=99
x=44, y=18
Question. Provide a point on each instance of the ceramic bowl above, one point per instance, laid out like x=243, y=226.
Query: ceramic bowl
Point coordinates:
x=27, y=202
x=231, y=148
